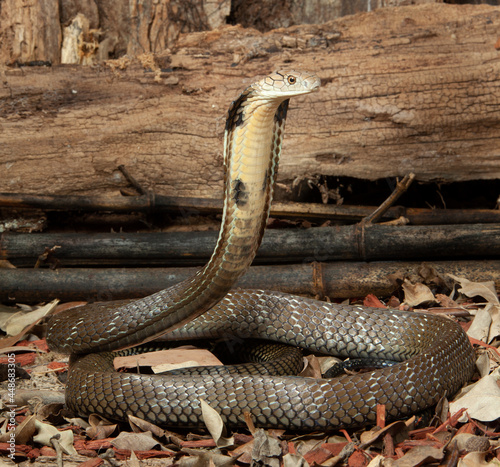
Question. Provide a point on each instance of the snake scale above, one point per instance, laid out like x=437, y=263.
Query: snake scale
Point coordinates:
x=434, y=354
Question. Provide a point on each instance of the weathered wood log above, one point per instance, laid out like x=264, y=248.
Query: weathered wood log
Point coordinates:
x=95, y=31
x=336, y=280
x=154, y=203
x=352, y=242
x=410, y=89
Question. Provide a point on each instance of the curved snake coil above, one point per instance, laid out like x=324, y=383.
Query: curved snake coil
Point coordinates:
x=435, y=354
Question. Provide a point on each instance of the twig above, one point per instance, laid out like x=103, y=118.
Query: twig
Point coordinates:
x=401, y=187
x=131, y=180
x=57, y=446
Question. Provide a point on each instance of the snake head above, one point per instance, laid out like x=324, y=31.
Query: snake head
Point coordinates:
x=286, y=84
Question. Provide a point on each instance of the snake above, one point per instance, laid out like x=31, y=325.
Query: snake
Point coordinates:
x=433, y=354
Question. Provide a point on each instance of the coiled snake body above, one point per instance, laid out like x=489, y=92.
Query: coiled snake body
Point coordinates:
x=434, y=353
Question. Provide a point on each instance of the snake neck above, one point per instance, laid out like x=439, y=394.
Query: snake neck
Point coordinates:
x=252, y=149
x=249, y=185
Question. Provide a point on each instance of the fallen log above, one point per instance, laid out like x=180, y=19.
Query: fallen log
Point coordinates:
x=417, y=97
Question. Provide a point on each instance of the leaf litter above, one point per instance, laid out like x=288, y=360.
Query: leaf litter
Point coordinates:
x=466, y=435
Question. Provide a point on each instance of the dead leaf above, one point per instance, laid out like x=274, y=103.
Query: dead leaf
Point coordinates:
x=46, y=432
x=377, y=461
x=21, y=320
x=477, y=459
x=494, y=311
x=430, y=276
x=243, y=453
x=372, y=301
x=139, y=425
x=312, y=367
x=483, y=364
x=215, y=426
x=419, y=455
x=51, y=412
x=99, y=428
x=445, y=301
x=24, y=431
x=399, y=430
x=473, y=289
x=266, y=450
x=205, y=459
x=176, y=358
x=294, y=460
x=133, y=461
x=415, y=294
x=135, y=441
x=77, y=421
x=469, y=442
x=482, y=401
x=480, y=327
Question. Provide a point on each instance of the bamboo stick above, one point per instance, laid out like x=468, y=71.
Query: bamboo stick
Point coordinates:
x=150, y=202
x=335, y=280
x=342, y=243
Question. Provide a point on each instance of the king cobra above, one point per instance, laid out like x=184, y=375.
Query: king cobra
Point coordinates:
x=434, y=355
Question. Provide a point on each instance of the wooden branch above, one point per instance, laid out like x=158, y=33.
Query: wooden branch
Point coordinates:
x=151, y=202
x=401, y=187
x=336, y=280
x=411, y=89
x=353, y=242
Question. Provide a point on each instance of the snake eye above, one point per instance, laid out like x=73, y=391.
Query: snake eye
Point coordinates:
x=292, y=80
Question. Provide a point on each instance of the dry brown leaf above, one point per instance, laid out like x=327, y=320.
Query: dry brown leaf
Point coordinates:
x=399, y=430
x=378, y=461
x=312, y=367
x=215, y=426
x=24, y=431
x=46, y=432
x=480, y=327
x=176, y=358
x=266, y=450
x=483, y=364
x=135, y=441
x=99, y=428
x=445, y=301
x=294, y=460
x=20, y=321
x=418, y=293
x=139, y=425
x=205, y=459
x=477, y=459
x=494, y=311
x=469, y=442
x=133, y=461
x=473, y=289
x=420, y=455
x=487, y=291
x=482, y=401
x=243, y=453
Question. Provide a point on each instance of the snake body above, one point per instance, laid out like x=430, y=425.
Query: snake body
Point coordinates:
x=434, y=353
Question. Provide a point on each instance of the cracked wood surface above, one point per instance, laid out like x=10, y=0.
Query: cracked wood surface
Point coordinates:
x=410, y=89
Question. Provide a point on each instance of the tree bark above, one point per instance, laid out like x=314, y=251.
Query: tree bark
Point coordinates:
x=410, y=89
